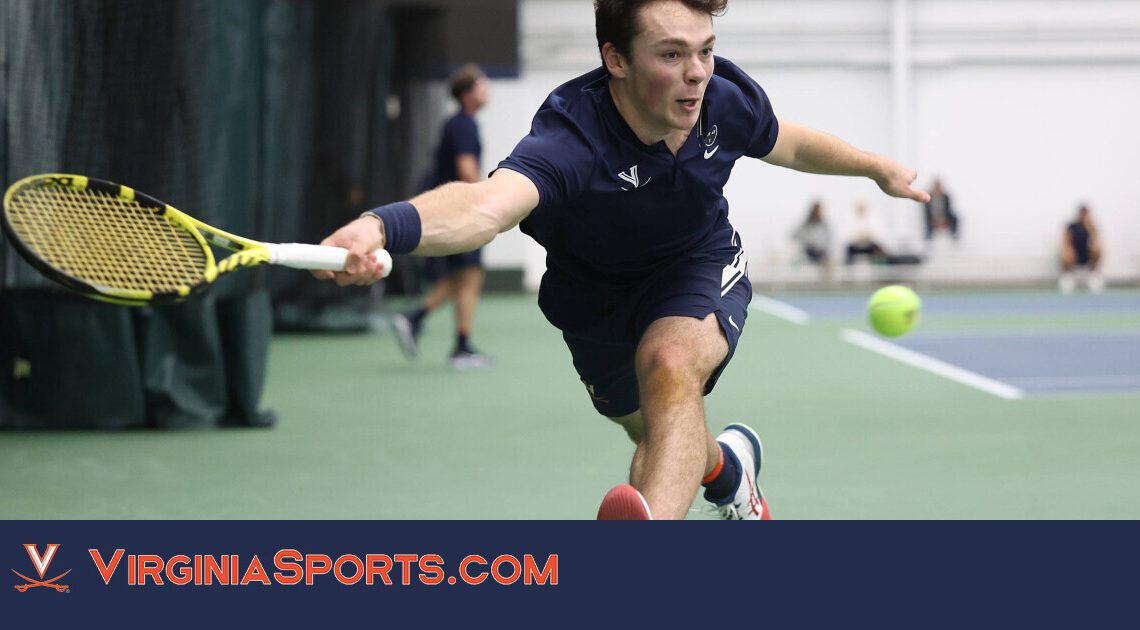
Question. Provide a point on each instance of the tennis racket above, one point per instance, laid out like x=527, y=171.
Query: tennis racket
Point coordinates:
x=115, y=244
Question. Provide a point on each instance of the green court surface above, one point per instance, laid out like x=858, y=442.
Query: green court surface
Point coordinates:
x=364, y=434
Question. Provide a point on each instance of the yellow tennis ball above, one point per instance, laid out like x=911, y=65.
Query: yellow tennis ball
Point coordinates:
x=893, y=310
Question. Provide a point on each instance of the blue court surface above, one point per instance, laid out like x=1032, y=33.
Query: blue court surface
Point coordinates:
x=1042, y=363
x=1021, y=343
x=953, y=304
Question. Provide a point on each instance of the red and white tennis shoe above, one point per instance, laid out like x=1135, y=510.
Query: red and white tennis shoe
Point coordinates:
x=624, y=503
x=748, y=503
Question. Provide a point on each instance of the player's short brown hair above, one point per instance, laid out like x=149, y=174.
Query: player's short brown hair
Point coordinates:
x=464, y=79
x=615, y=21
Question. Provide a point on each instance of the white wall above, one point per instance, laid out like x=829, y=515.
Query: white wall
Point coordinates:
x=1024, y=107
x=503, y=123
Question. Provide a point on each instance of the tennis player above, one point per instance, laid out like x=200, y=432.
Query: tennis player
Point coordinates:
x=457, y=277
x=621, y=180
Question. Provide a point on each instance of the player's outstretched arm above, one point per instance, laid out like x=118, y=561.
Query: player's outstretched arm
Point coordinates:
x=453, y=218
x=460, y=217
x=811, y=151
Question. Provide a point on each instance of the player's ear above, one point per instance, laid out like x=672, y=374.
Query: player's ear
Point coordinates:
x=615, y=61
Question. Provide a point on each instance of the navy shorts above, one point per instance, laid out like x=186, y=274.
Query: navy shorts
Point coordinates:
x=604, y=353
x=439, y=267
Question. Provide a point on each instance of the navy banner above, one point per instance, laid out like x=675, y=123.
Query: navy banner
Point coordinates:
x=531, y=574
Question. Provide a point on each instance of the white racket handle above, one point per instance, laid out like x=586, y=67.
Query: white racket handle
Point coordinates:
x=319, y=257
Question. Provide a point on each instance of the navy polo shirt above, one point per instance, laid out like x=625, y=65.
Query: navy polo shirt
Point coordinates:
x=613, y=209
x=460, y=137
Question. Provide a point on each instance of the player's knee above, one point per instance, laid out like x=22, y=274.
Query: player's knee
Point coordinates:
x=671, y=362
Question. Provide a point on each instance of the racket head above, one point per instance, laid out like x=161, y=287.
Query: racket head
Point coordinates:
x=105, y=240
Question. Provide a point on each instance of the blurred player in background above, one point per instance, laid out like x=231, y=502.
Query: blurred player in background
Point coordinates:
x=865, y=240
x=939, y=213
x=459, y=276
x=814, y=236
x=621, y=180
x=1081, y=250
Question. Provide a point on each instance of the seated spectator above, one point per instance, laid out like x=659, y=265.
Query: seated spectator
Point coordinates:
x=1081, y=250
x=864, y=237
x=814, y=236
x=939, y=213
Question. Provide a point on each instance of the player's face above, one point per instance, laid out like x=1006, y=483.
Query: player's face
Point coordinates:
x=481, y=92
x=671, y=62
x=477, y=96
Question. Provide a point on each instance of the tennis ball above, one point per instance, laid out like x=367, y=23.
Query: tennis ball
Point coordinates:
x=893, y=310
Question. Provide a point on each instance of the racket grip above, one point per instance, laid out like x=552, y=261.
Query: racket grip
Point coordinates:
x=319, y=257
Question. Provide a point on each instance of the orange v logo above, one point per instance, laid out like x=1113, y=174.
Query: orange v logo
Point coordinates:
x=41, y=563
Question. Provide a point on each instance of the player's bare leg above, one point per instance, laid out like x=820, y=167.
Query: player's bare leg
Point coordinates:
x=675, y=358
x=440, y=292
x=1095, y=280
x=634, y=426
x=468, y=285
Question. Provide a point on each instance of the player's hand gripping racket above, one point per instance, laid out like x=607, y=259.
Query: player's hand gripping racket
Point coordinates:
x=115, y=244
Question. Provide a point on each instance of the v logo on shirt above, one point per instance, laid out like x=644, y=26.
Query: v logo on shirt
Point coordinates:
x=631, y=177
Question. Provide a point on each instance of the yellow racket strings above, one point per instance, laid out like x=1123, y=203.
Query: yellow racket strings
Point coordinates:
x=105, y=240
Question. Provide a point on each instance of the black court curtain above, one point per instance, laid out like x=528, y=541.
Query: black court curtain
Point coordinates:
x=263, y=117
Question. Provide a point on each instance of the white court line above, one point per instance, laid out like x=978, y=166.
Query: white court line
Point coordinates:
x=783, y=310
x=930, y=364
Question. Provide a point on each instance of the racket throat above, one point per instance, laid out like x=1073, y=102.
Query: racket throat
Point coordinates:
x=221, y=241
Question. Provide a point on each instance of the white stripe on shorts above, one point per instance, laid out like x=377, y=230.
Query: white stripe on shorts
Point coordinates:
x=731, y=274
